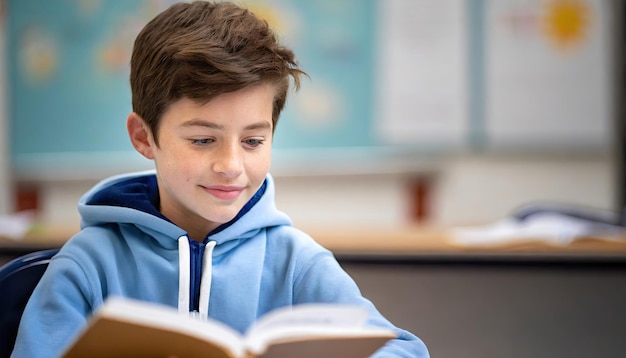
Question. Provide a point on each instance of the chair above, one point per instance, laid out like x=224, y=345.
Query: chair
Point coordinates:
x=18, y=279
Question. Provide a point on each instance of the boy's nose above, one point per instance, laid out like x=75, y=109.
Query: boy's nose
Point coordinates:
x=229, y=161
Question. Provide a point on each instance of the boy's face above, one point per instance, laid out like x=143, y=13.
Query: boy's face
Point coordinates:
x=212, y=158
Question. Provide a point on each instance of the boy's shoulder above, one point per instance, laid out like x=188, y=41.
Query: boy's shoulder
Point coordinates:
x=295, y=239
x=289, y=232
x=109, y=239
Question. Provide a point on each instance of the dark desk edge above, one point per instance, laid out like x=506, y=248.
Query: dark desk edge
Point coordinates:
x=426, y=257
x=483, y=258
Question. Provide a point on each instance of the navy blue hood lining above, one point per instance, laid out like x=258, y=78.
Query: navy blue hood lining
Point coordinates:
x=142, y=193
x=255, y=198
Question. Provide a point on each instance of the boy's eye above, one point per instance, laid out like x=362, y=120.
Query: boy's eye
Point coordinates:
x=202, y=141
x=253, y=142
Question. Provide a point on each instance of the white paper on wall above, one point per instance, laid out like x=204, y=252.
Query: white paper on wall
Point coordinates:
x=548, y=74
x=422, y=72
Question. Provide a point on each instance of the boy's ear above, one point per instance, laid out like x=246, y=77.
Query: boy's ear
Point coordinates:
x=140, y=135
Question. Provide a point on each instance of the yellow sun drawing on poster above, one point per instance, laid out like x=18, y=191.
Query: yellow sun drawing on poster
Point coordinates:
x=283, y=21
x=265, y=12
x=566, y=22
x=39, y=56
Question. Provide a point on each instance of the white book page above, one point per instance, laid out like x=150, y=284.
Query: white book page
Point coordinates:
x=158, y=315
x=306, y=320
x=327, y=315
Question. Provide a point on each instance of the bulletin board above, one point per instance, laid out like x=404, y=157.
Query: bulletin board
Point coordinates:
x=499, y=75
x=387, y=76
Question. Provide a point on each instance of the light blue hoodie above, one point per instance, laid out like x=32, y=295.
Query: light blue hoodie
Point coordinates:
x=245, y=268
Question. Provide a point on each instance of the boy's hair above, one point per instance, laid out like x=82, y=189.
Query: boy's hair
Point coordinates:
x=202, y=49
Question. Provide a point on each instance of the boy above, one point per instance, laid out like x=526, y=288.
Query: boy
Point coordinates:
x=201, y=233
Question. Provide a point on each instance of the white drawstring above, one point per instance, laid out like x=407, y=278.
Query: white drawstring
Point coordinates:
x=184, y=275
x=205, y=284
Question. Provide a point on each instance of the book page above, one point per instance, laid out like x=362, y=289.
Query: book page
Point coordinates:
x=131, y=328
x=124, y=327
x=328, y=315
x=317, y=325
x=108, y=338
x=337, y=347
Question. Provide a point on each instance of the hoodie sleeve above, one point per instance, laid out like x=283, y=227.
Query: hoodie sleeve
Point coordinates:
x=56, y=311
x=323, y=280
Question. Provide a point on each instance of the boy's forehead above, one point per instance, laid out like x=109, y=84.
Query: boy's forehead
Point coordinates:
x=199, y=122
x=209, y=96
x=253, y=104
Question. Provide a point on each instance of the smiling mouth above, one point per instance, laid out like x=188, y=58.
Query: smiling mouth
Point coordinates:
x=224, y=193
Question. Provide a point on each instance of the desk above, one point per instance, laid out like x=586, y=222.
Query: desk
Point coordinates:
x=38, y=239
x=425, y=244
x=529, y=299
x=410, y=244
x=525, y=300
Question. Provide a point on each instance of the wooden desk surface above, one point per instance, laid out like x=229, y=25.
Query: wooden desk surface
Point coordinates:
x=421, y=242
x=404, y=242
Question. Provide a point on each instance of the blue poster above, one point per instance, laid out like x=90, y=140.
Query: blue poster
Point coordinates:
x=68, y=71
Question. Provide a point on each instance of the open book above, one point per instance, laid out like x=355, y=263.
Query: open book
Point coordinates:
x=130, y=328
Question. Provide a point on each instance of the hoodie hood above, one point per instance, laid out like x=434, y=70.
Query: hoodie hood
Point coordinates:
x=134, y=199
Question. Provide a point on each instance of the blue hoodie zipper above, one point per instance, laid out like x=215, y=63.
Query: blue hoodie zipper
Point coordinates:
x=196, y=253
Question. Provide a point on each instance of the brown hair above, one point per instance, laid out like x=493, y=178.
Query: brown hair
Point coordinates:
x=202, y=49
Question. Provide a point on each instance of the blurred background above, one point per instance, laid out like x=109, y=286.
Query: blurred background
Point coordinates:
x=417, y=112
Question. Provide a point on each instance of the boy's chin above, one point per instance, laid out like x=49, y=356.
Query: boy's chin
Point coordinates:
x=219, y=220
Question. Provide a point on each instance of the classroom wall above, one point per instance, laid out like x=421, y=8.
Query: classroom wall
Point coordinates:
x=464, y=190
x=466, y=184
x=485, y=188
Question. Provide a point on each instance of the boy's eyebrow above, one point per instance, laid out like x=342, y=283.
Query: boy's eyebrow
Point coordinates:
x=212, y=125
x=196, y=122
x=259, y=125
